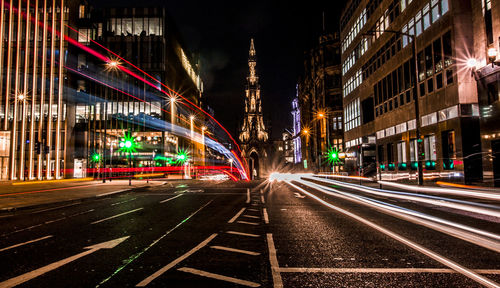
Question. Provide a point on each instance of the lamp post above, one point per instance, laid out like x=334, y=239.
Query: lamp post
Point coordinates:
x=420, y=175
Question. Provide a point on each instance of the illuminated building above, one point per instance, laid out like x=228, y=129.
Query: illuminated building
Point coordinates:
x=58, y=115
x=320, y=101
x=33, y=103
x=297, y=144
x=145, y=37
x=253, y=134
x=382, y=122
x=485, y=64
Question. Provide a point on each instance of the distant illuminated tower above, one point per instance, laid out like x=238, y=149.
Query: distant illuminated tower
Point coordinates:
x=253, y=134
x=253, y=124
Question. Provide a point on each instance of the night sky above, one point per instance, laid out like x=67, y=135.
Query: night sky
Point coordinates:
x=220, y=32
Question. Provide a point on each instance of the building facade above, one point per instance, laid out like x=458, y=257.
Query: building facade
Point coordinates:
x=405, y=75
x=253, y=134
x=71, y=89
x=320, y=101
x=147, y=108
x=485, y=63
x=34, y=108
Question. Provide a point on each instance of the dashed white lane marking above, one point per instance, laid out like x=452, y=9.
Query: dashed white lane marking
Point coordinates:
x=251, y=216
x=266, y=217
x=115, y=216
x=248, y=195
x=273, y=259
x=235, y=250
x=24, y=243
x=245, y=222
x=175, y=262
x=112, y=192
x=55, y=220
x=242, y=234
x=252, y=209
x=378, y=270
x=219, y=277
x=236, y=216
x=262, y=199
x=171, y=198
x=255, y=204
x=118, y=203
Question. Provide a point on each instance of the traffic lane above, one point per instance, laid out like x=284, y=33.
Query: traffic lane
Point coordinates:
x=73, y=234
x=236, y=257
x=465, y=253
x=308, y=234
x=124, y=263
x=468, y=218
x=342, y=243
x=376, y=280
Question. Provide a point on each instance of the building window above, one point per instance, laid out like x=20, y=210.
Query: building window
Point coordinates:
x=81, y=11
x=352, y=115
x=401, y=146
x=430, y=147
x=488, y=20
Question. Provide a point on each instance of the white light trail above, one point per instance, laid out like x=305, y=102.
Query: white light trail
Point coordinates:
x=443, y=260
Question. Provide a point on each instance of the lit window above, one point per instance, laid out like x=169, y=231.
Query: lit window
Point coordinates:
x=81, y=11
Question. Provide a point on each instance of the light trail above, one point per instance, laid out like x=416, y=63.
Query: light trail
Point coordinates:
x=441, y=259
x=178, y=130
x=106, y=59
x=122, y=68
x=467, y=206
x=476, y=236
x=448, y=191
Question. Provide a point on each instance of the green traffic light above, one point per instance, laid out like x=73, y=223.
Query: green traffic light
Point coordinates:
x=332, y=156
x=96, y=157
x=182, y=156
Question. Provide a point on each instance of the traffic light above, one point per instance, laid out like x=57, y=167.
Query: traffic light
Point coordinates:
x=182, y=156
x=332, y=156
x=96, y=157
x=128, y=144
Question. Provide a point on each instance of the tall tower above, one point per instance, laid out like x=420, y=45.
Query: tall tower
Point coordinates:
x=253, y=124
x=253, y=134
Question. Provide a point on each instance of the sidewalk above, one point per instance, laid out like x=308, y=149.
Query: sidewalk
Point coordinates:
x=24, y=195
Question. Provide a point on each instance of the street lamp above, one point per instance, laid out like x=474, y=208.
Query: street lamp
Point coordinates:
x=418, y=147
x=492, y=55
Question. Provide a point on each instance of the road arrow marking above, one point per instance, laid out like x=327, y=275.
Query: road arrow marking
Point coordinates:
x=40, y=271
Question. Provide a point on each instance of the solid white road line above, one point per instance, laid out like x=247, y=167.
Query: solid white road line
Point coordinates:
x=219, y=277
x=251, y=216
x=175, y=262
x=252, y=209
x=245, y=222
x=443, y=260
x=266, y=217
x=242, y=234
x=236, y=216
x=378, y=270
x=273, y=259
x=115, y=216
x=27, y=242
x=235, y=250
x=171, y=198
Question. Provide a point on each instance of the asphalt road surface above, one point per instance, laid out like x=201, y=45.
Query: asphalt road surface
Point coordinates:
x=251, y=234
